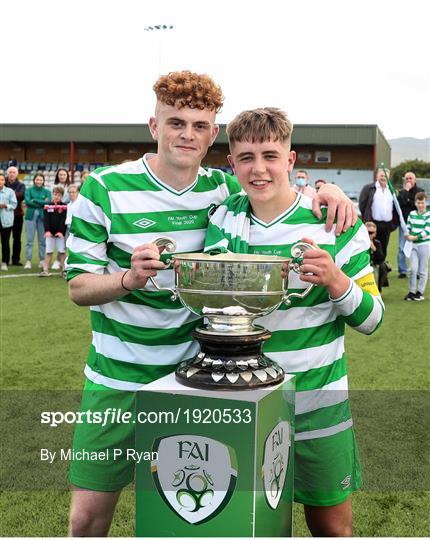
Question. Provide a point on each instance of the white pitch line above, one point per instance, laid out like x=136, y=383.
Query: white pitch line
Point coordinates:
x=26, y=275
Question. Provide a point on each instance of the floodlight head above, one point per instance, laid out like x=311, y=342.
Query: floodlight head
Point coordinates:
x=158, y=27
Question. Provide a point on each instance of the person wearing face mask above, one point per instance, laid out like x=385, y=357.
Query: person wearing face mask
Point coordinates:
x=301, y=184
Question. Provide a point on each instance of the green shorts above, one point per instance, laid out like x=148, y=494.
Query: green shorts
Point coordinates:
x=327, y=470
x=103, y=471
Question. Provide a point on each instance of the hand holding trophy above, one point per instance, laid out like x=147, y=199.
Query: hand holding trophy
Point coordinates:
x=232, y=290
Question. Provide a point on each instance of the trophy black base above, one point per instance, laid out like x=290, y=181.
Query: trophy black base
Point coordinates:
x=230, y=362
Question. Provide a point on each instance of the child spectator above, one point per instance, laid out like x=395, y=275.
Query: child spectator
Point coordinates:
x=8, y=204
x=62, y=178
x=55, y=229
x=419, y=234
x=35, y=199
x=377, y=257
x=73, y=195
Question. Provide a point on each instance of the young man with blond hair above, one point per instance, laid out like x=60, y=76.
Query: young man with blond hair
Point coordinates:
x=139, y=334
x=308, y=336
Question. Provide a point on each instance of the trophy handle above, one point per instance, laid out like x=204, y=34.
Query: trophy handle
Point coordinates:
x=295, y=263
x=170, y=246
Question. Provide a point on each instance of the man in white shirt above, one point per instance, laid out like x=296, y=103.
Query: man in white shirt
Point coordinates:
x=377, y=204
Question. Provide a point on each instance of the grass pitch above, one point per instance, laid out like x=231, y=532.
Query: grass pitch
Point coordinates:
x=44, y=342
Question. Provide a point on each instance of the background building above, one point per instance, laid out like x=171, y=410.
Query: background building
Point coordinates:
x=346, y=155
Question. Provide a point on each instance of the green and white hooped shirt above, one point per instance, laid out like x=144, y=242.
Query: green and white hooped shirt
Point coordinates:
x=143, y=335
x=308, y=336
x=419, y=225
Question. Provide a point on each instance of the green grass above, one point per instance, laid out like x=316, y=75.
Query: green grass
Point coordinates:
x=44, y=341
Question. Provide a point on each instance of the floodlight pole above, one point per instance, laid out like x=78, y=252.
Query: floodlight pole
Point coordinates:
x=157, y=28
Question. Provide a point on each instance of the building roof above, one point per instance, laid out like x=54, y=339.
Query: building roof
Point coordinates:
x=321, y=134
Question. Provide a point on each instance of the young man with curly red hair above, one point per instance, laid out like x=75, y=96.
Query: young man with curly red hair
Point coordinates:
x=139, y=334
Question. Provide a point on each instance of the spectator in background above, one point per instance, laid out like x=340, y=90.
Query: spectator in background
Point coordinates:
x=8, y=204
x=320, y=182
x=19, y=189
x=406, y=199
x=55, y=229
x=35, y=199
x=419, y=233
x=301, y=184
x=62, y=178
x=73, y=195
x=376, y=204
x=84, y=175
x=12, y=162
x=377, y=257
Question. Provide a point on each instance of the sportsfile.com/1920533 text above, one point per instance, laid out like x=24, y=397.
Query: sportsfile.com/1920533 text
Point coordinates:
x=118, y=416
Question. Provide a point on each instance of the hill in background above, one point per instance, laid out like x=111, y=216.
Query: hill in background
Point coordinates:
x=405, y=148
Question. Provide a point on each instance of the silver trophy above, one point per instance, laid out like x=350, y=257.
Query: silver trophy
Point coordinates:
x=230, y=291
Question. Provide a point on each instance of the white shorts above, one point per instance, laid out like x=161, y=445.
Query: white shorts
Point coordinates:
x=53, y=241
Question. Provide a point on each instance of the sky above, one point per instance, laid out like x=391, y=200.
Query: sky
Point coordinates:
x=332, y=61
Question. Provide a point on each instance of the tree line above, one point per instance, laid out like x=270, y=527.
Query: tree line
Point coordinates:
x=419, y=167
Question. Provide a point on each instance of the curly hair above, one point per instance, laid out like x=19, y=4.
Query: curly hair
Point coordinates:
x=187, y=89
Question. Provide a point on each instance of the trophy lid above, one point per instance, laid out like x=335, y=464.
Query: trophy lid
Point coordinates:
x=231, y=257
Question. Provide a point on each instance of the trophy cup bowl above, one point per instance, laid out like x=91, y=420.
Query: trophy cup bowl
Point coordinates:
x=231, y=290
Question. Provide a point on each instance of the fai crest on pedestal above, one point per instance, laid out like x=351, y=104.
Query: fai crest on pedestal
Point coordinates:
x=196, y=476
x=275, y=464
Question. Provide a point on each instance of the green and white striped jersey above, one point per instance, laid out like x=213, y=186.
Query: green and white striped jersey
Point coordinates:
x=419, y=225
x=143, y=335
x=308, y=336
